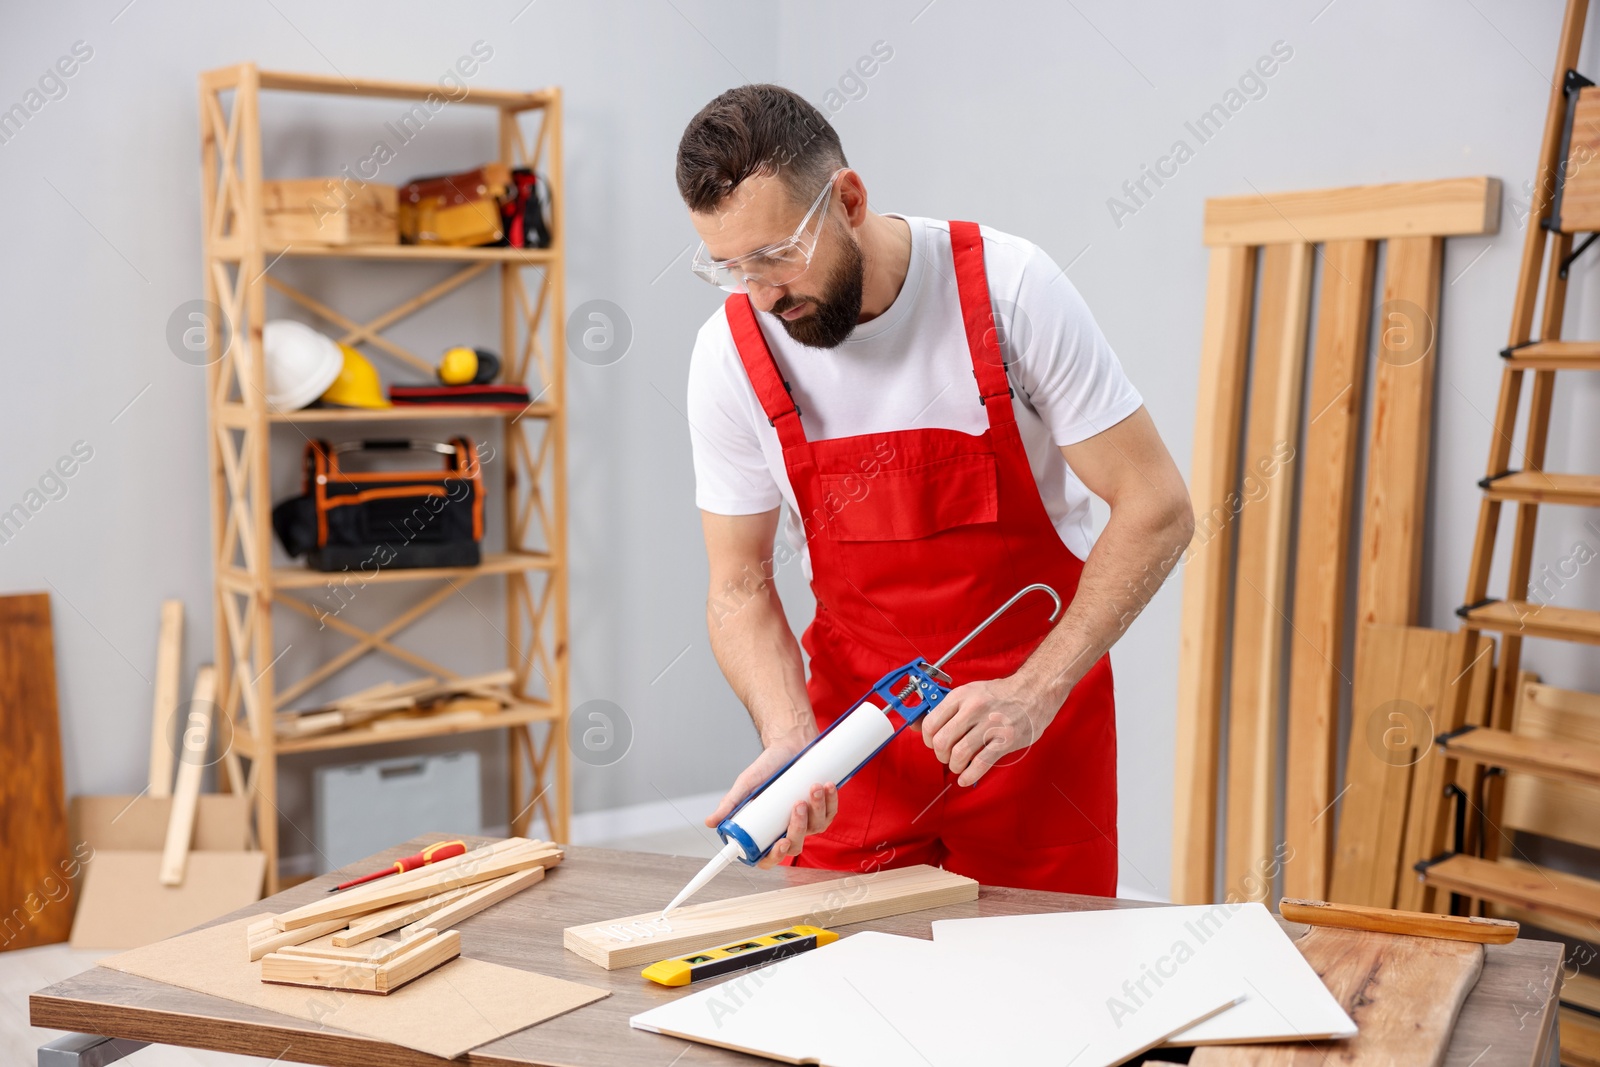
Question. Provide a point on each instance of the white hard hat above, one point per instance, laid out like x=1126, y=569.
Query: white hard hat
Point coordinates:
x=301, y=363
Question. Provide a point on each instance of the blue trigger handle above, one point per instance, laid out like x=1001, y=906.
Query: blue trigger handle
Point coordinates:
x=892, y=690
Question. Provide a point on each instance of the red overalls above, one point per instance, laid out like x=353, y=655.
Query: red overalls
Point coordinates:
x=915, y=536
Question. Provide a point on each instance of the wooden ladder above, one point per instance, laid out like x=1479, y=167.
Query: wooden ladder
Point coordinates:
x=1464, y=866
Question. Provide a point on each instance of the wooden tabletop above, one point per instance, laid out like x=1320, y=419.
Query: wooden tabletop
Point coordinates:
x=1504, y=1023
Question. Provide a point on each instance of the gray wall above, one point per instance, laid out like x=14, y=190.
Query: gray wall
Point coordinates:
x=1026, y=116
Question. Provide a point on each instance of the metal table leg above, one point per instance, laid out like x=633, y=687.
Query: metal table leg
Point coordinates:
x=86, y=1050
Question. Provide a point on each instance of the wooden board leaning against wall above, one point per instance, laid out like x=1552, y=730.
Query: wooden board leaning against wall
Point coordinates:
x=1278, y=441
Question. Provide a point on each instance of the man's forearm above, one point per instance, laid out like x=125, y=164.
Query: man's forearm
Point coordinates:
x=1129, y=562
x=761, y=660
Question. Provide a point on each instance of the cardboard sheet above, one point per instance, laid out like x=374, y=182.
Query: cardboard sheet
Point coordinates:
x=1140, y=953
x=123, y=903
x=446, y=1012
x=139, y=824
x=879, y=1000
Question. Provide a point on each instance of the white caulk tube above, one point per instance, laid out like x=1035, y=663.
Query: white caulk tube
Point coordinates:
x=832, y=757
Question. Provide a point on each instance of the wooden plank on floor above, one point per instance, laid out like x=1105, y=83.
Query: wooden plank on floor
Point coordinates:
x=1317, y=647
x=1398, y=674
x=1261, y=589
x=639, y=939
x=169, y=665
x=33, y=802
x=1207, y=571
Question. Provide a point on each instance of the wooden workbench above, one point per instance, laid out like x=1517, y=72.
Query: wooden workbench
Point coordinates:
x=1506, y=1021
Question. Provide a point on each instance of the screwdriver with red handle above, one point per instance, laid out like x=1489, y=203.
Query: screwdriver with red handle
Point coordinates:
x=432, y=854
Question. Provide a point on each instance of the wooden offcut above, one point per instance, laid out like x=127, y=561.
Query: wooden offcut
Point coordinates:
x=1453, y=206
x=377, y=923
x=195, y=746
x=477, y=900
x=1260, y=593
x=1403, y=992
x=1322, y=561
x=169, y=664
x=263, y=936
x=1208, y=570
x=638, y=939
x=38, y=862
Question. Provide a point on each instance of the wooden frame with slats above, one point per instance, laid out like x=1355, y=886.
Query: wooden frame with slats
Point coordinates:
x=1251, y=456
x=239, y=268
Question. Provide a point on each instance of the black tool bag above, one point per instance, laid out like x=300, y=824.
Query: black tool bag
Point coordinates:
x=367, y=520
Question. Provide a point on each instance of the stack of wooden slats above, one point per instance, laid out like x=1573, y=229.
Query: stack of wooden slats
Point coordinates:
x=1264, y=662
x=336, y=942
x=391, y=705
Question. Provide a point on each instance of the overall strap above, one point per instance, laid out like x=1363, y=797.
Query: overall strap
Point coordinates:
x=771, y=388
x=977, y=314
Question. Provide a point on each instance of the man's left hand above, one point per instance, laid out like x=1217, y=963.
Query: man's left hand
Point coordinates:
x=980, y=723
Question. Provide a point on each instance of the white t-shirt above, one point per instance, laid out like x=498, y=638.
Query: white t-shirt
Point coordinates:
x=910, y=368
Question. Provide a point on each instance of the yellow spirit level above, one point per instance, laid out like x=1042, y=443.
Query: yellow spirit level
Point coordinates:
x=767, y=948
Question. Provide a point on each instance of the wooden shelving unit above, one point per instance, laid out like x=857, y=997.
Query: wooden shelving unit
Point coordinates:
x=249, y=587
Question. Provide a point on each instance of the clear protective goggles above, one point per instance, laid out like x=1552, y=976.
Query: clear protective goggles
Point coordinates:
x=777, y=264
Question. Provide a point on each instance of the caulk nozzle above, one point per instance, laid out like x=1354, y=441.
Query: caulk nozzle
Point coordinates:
x=714, y=867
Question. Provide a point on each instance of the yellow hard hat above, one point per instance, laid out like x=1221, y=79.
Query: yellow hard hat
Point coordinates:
x=357, y=385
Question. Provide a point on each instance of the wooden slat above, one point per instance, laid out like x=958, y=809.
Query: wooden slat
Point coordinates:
x=33, y=802
x=1580, y=1039
x=433, y=952
x=1528, y=619
x=373, y=924
x=1404, y=994
x=644, y=938
x=1261, y=590
x=1360, y=212
x=1464, y=696
x=264, y=937
x=1391, y=921
x=195, y=746
x=1398, y=675
x=1538, y=889
x=169, y=665
x=1207, y=571
x=480, y=898
x=1562, y=760
x=341, y=86
x=1398, y=449
x=435, y=878
x=1317, y=650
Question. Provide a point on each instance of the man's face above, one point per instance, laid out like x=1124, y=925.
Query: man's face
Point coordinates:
x=821, y=306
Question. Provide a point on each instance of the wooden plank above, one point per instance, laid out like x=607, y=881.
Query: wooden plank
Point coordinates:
x=1464, y=698
x=1398, y=672
x=1317, y=652
x=39, y=861
x=1261, y=591
x=378, y=950
x=1544, y=487
x=374, y=87
x=433, y=952
x=1401, y=433
x=479, y=899
x=1473, y=928
x=645, y=938
x=376, y=923
x=1403, y=992
x=435, y=878
x=265, y=937
x=1208, y=571
x=1526, y=619
x=196, y=747
x=1444, y=208
x=169, y=663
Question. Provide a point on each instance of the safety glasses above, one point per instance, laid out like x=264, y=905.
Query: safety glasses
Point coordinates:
x=776, y=264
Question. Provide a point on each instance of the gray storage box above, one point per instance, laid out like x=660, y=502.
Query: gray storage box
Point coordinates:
x=362, y=808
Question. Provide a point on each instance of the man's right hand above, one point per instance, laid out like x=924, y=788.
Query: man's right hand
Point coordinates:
x=810, y=816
